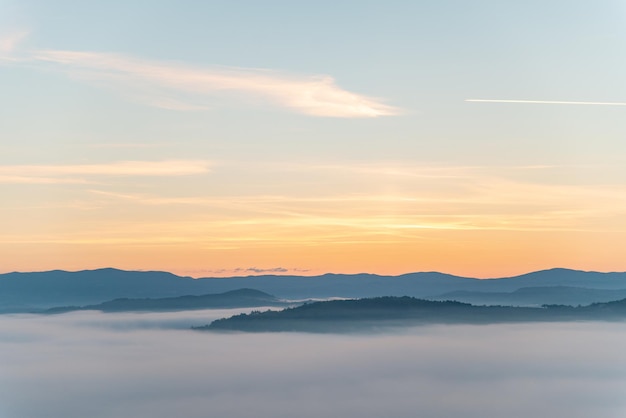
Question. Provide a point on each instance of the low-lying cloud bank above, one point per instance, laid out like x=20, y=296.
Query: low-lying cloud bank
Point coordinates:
x=140, y=365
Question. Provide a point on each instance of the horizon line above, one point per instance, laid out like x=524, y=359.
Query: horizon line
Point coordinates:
x=286, y=273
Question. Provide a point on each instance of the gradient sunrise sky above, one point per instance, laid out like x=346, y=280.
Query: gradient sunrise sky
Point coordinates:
x=217, y=138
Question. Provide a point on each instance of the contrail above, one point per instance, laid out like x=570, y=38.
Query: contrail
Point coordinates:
x=546, y=102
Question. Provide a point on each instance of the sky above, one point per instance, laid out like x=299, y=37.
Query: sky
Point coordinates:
x=219, y=138
x=146, y=365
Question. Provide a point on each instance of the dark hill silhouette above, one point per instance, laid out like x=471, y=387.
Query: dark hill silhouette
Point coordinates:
x=41, y=290
x=242, y=298
x=385, y=312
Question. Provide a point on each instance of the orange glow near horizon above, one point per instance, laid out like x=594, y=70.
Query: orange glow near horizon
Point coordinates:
x=469, y=253
x=474, y=225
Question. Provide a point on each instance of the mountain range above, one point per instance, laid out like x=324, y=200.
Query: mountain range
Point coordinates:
x=25, y=292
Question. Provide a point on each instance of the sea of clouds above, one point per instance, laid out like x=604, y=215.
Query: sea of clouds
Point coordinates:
x=90, y=364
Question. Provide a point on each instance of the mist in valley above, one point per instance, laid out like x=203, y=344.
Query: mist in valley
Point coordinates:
x=152, y=365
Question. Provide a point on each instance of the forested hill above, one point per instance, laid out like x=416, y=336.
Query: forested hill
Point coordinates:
x=384, y=312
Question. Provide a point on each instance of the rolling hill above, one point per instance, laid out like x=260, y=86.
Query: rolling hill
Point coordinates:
x=24, y=292
x=382, y=313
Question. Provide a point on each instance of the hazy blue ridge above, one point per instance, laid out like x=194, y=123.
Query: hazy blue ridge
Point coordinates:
x=536, y=296
x=42, y=290
x=241, y=298
x=384, y=312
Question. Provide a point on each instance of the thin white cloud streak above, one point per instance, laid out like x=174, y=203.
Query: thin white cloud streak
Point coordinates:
x=232, y=201
x=481, y=203
x=398, y=168
x=129, y=145
x=40, y=180
x=180, y=87
x=466, y=186
x=546, y=102
x=48, y=174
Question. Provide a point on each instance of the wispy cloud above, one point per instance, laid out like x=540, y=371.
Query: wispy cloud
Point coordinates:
x=26, y=179
x=184, y=87
x=48, y=174
x=248, y=270
x=129, y=145
x=483, y=204
x=9, y=42
x=546, y=102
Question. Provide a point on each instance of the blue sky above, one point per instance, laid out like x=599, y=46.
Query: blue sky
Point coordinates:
x=208, y=136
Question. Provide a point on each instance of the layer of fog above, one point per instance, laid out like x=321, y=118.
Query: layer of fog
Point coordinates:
x=150, y=365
